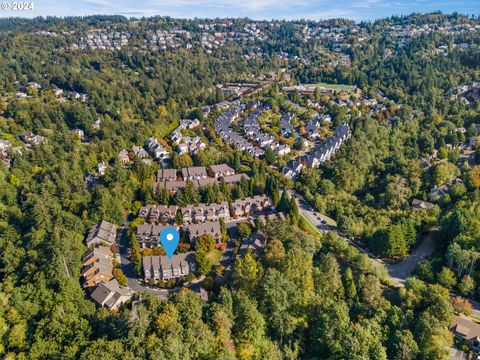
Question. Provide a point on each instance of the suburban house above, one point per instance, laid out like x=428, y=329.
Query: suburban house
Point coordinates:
x=102, y=168
x=421, y=205
x=437, y=193
x=467, y=330
x=255, y=244
x=139, y=152
x=281, y=150
x=473, y=141
x=221, y=170
x=4, y=144
x=156, y=149
x=148, y=235
x=160, y=268
x=103, y=233
x=286, y=125
x=210, y=227
x=292, y=169
x=158, y=213
x=167, y=175
x=249, y=205
x=182, y=149
x=312, y=129
x=203, y=212
x=123, y=157
x=31, y=139
x=111, y=295
x=194, y=173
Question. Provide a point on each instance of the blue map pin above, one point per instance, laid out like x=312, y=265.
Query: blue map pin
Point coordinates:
x=169, y=238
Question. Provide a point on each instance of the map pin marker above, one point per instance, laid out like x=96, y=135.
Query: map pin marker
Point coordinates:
x=169, y=238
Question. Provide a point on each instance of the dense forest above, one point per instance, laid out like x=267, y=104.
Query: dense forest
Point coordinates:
x=307, y=296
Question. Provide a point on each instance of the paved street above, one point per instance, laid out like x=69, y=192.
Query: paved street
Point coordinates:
x=398, y=272
x=402, y=270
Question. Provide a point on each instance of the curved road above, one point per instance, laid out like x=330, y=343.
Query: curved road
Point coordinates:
x=397, y=273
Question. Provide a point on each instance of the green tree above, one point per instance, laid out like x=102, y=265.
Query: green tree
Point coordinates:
x=120, y=277
x=247, y=273
x=244, y=229
x=446, y=278
x=270, y=157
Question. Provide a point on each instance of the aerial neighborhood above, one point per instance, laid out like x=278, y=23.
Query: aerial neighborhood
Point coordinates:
x=229, y=188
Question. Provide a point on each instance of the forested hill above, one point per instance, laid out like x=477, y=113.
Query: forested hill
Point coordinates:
x=121, y=81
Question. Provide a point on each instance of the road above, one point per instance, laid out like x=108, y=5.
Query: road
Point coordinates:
x=400, y=271
x=397, y=273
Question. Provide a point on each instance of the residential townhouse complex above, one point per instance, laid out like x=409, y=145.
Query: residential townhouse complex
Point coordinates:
x=197, y=219
x=160, y=268
x=148, y=235
x=328, y=149
x=221, y=171
x=250, y=205
x=158, y=213
x=194, y=173
x=103, y=233
x=98, y=264
x=206, y=228
x=224, y=130
x=170, y=180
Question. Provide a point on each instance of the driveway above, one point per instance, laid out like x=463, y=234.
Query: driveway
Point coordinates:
x=456, y=354
x=400, y=271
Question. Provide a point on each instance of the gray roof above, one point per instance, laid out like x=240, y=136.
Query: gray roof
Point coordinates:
x=108, y=293
x=178, y=260
x=221, y=168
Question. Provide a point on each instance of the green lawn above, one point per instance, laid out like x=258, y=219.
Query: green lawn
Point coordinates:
x=214, y=256
x=310, y=226
x=335, y=86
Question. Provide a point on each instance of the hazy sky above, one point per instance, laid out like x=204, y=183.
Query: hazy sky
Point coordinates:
x=255, y=9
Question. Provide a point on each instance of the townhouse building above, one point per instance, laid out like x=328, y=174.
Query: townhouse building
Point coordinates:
x=161, y=268
x=250, y=205
x=103, y=233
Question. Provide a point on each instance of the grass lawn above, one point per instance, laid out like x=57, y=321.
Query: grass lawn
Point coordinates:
x=335, y=86
x=215, y=255
x=310, y=226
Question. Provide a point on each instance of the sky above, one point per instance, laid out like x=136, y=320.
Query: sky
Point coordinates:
x=255, y=9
